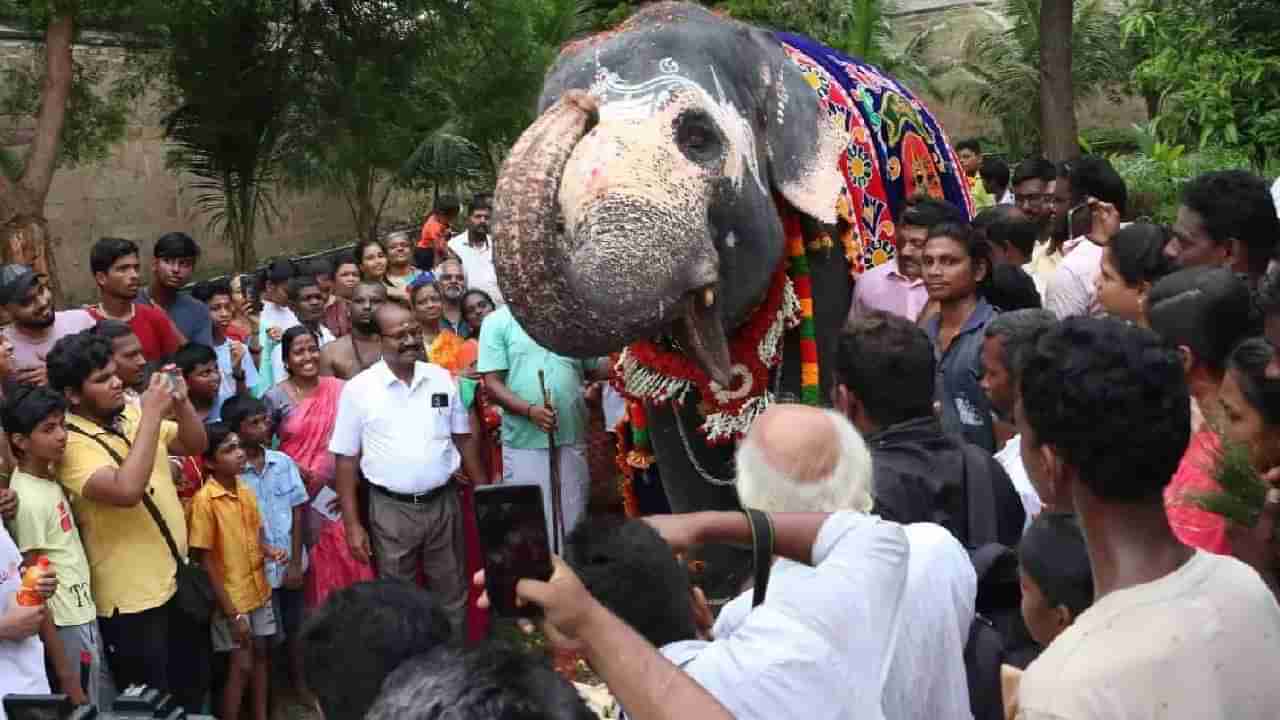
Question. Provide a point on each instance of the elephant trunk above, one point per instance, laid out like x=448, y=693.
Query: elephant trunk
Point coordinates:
x=628, y=264
x=530, y=257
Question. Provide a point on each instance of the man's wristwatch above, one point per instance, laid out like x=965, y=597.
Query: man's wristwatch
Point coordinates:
x=240, y=617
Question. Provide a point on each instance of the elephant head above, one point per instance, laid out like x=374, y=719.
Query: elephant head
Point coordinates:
x=643, y=201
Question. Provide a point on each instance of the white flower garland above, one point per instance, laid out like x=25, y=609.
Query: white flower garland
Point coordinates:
x=732, y=416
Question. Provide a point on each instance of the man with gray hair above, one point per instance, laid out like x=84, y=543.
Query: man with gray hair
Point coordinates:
x=816, y=462
x=1008, y=338
x=817, y=649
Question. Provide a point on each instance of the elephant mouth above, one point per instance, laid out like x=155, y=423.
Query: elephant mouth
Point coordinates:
x=699, y=331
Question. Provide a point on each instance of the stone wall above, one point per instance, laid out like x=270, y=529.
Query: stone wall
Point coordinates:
x=133, y=194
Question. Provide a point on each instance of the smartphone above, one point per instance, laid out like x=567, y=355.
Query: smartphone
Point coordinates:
x=513, y=538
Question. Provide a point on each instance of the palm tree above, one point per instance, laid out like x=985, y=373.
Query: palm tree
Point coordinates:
x=1001, y=68
x=233, y=75
x=868, y=35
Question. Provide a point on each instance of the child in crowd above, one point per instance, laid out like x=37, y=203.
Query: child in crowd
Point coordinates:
x=199, y=367
x=34, y=417
x=282, y=500
x=226, y=538
x=235, y=363
x=1057, y=585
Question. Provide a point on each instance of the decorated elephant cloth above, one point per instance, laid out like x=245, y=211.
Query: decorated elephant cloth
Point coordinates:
x=896, y=148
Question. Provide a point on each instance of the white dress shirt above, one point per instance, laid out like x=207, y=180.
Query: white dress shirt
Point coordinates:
x=815, y=649
x=477, y=264
x=1010, y=458
x=403, y=433
x=926, y=673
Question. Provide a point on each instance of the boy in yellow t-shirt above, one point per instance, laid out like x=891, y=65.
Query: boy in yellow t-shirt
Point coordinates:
x=35, y=418
x=226, y=539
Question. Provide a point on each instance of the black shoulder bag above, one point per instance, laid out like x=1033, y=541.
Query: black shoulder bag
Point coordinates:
x=195, y=590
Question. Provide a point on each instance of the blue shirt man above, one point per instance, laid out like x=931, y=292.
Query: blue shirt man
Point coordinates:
x=965, y=408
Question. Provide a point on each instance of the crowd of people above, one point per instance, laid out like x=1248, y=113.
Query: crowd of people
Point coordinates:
x=1000, y=513
x=267, y=428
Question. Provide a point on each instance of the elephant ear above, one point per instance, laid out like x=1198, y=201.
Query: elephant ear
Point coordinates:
x=803, y=145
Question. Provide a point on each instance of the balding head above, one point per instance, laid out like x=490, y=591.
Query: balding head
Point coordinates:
x=797, y=458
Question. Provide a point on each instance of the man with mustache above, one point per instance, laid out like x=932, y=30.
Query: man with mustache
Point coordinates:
x=357, y=351
x=26, y=297
x=453, y=286
x=402, y=424
x=897, y=287
x=475, y=250
x=117, y=272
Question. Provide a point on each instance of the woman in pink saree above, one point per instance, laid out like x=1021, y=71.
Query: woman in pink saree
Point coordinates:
x=305, y=407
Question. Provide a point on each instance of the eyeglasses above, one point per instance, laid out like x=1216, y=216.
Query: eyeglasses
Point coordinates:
x=1033, y=199
x=450, y=278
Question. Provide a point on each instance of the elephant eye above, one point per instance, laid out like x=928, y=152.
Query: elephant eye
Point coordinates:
x=697, y=137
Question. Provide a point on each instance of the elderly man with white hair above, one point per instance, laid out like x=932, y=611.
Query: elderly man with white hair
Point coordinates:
x=779, y=472
x=816, y=649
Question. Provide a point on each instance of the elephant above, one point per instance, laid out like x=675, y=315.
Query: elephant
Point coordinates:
x=701, y=194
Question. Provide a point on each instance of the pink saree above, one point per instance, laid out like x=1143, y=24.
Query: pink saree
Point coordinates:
x=304, y=436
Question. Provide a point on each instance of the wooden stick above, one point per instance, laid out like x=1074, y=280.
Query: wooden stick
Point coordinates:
x=557, y=512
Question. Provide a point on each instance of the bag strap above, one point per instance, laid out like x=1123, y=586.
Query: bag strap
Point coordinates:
x=147, y=502
x=761, y=552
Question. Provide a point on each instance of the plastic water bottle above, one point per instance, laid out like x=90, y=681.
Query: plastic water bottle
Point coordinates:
x=28, y=595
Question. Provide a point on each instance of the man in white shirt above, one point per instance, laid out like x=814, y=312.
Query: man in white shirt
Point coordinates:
x=306, y=305
x=816, y=649
x=1071, y=289
x=821, y=464
x=1173, y=632
x=475, y=249
x=1008, y=339
x=403, y=425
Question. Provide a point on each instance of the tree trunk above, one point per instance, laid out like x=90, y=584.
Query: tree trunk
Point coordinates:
x=24, y=232
x=1058, y=131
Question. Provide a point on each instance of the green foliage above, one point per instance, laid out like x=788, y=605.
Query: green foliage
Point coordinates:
x=233, y=72
x=494, y=67
x=1243, y=492
x=1154, y=183
x=368, y=98
x=859, y=28
x=1215, y=65
x=1001, y=68
x=100, y=99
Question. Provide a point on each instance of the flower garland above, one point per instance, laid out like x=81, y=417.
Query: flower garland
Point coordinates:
x=799, y=268
x=648, y=372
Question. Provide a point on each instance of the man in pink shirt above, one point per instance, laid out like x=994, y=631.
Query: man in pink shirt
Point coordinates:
x=25, y=295
x=897, y=286
x=1071, y=289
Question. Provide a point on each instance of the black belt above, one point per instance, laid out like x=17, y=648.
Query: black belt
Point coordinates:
x=414, y=498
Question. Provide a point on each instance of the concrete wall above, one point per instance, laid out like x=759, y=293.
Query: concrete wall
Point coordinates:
x=132, y=194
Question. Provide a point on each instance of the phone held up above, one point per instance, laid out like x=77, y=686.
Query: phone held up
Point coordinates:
x=513, y=538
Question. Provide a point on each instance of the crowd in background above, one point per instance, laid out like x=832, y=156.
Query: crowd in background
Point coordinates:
x=1002, y=513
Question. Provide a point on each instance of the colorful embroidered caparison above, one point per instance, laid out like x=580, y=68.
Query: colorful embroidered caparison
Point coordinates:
x=896, y=150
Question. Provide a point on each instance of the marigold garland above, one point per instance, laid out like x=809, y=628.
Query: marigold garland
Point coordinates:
x=799, y=270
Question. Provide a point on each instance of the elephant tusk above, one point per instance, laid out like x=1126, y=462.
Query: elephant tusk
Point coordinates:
x=709, y=297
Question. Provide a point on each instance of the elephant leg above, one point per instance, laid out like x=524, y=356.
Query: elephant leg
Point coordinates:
x=724, y=568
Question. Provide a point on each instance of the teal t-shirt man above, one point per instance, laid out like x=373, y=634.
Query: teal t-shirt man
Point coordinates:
x=506, y=348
